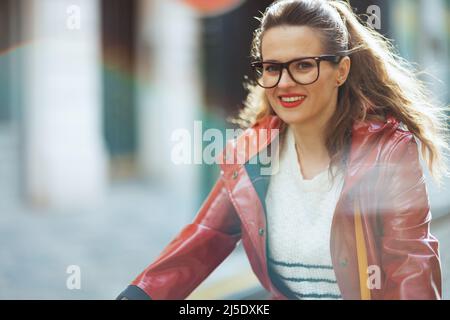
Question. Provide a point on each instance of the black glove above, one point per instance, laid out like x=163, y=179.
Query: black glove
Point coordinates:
x=133, y=293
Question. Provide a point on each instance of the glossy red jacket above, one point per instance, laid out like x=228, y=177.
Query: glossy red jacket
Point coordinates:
x=381, y=219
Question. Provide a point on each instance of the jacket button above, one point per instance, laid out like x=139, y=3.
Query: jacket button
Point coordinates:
x=235, y=174
x=343, y=262
x=261, y=231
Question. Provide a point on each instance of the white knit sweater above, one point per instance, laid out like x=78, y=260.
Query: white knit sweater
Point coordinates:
x=299, y=216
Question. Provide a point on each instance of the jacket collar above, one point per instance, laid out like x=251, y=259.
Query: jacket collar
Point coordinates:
x=366, y=136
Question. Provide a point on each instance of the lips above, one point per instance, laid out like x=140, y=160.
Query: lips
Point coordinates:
x=292, y=100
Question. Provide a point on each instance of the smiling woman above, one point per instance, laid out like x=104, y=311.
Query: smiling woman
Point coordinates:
x=305, y=95
x=345, y=213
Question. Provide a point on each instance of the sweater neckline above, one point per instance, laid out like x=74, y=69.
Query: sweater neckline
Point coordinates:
x=319, y=183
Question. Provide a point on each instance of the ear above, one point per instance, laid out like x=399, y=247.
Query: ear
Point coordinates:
x=343, y=70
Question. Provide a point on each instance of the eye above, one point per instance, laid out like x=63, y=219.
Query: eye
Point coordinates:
x=271, y=68
x=304, y=65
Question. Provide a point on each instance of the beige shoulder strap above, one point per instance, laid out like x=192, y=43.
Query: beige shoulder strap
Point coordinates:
x=361, y=253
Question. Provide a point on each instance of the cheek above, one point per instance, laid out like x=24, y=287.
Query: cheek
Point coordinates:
x=270, y=94
x=323, y=88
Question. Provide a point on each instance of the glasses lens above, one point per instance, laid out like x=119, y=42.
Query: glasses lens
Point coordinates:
x=267, y=74
x=304, y=71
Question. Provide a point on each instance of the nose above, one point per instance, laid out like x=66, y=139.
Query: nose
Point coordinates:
x=286, y=80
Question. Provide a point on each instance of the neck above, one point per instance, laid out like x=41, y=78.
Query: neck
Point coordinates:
x=311, y=143
x=310, y=139
x=312, y=154
x=310, y=136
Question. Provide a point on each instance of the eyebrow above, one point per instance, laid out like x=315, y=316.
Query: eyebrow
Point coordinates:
x=277, y=61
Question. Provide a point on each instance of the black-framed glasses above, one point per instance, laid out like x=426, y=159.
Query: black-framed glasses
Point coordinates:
x=303, y=71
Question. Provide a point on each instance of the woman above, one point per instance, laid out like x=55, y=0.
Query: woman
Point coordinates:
x=346, y=214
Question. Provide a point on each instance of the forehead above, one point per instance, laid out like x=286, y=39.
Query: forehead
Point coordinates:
x=284, y=43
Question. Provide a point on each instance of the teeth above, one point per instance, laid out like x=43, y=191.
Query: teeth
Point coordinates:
x=292, y=99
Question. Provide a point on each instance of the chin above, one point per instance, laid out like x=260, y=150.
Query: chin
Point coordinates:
x=293, y=120
x=290, y=116
x=290, y=120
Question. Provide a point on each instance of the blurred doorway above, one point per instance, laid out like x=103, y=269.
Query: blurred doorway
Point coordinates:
x=10, y=54
x=6, y=45
x=225, y=46
x=119, y=87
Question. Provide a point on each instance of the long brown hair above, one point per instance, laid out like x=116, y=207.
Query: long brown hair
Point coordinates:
x=391, y=87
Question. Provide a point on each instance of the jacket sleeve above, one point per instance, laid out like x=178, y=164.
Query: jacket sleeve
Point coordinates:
x=193, y=254
x=410, y=257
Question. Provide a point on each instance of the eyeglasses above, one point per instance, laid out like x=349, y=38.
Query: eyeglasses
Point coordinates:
x=303, y=71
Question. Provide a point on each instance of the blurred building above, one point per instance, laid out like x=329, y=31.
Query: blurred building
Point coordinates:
x=90, y=96
x=100, y=85
x=92, y=90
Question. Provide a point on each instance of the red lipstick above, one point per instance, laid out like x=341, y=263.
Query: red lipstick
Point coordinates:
x=296, y=100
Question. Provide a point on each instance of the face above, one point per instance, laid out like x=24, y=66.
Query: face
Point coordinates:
x=285, y=43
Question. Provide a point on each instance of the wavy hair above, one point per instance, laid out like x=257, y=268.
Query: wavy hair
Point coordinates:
x=391, y=87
